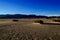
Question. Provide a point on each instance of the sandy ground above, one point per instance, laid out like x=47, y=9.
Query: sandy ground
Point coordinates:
x=26, y=29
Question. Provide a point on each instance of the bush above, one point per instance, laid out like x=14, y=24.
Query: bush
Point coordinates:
x=56, y=20
x=39, y=21
x=15, y=20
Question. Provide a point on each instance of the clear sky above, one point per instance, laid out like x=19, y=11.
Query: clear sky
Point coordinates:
x=38, y=7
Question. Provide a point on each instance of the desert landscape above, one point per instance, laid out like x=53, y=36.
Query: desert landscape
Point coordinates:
x=27, y=29
x=29, y=19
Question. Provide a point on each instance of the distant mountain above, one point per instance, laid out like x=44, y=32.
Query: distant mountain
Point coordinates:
x=21, y=16
x=26, y=16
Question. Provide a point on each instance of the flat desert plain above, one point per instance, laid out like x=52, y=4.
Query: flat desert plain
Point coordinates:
x=27, y=29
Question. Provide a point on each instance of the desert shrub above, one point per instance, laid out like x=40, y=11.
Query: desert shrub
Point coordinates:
x=39, y=21
x=15, y=20
x=56, y=20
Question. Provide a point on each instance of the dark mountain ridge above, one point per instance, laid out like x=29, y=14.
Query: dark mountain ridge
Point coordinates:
x=26, y=16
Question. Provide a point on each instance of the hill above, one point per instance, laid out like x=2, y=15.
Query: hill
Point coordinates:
x=26, y=16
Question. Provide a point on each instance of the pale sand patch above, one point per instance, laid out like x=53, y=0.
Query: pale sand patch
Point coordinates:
x=4, y=22
x=35, y=23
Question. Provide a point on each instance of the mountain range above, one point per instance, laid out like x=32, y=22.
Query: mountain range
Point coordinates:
x=26, y=16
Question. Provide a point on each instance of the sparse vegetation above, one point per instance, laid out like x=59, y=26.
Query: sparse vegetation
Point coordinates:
x=15, y=20
x=25, y=30
x=39, y=21
x=56, y=20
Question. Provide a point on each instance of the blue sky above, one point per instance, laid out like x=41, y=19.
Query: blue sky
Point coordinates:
x=38, y=7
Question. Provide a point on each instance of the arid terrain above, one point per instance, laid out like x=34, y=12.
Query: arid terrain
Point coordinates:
x=27, y=29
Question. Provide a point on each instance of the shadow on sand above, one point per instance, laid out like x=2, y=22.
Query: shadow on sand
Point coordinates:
x=51, y=23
